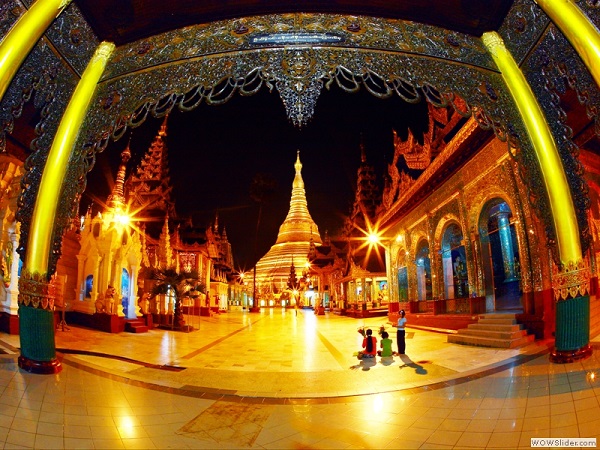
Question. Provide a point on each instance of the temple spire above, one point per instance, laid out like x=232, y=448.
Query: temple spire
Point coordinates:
x=363, y=154
x=165, y=253
x=149, y=186
x=163, y=128
x=116, y=200
x=295, y=235
x=298, y=225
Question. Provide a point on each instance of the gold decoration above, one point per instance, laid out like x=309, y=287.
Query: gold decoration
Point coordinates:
x=572, y=281
x=103, y=52
x=294, y=238
x=36, y=291
x=6, y=257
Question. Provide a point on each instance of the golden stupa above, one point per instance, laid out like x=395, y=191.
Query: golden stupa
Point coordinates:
x=293, y=241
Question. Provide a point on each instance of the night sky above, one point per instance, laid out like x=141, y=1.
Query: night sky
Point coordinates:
x=216, y=151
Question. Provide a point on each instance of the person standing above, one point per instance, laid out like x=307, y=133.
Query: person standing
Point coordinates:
x=401, y=333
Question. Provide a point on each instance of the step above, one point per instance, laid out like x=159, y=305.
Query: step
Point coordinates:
x=490, y=342
x=493, y=334
x=495, y=327
x=135, y=326
x=498, y=321
x=498, y=316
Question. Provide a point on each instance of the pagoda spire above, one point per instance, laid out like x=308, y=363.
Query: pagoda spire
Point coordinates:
x=149, y=186
x=295, y=234
x=298, y=226
x=116, y=200
x=366, y=198
x=163, y=128
x=165, y=253
x=363, y=154
x=145, y=260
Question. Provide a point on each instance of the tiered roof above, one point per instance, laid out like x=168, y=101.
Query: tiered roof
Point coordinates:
x=149, y=187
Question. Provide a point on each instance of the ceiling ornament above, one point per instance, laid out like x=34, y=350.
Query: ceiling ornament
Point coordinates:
x=212, y=62
x=297, y=85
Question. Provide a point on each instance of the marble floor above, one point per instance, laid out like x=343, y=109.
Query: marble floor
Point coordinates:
x=275, y=379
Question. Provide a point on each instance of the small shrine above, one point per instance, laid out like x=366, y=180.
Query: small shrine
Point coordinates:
x=109, y=257
x=363, y=284
x=137, y=260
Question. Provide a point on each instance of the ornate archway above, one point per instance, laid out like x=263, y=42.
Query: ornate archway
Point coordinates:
x=298, y=55
x=182, y=68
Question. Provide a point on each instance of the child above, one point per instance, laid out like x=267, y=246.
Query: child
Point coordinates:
x=370, y=345
x=386, y=345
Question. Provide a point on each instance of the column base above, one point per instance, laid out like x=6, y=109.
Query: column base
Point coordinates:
x=40, y=367
x=569, y=356
x=254, y=309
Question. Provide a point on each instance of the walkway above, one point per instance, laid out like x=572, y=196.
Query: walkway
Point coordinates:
x=277, y=380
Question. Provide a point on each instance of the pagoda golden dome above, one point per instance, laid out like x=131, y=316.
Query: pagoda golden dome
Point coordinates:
x=294, y=237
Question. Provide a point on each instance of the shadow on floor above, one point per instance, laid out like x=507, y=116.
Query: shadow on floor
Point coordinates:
x=407, y=362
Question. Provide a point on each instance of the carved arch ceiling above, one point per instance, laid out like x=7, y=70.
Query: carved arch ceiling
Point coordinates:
x=299, y=55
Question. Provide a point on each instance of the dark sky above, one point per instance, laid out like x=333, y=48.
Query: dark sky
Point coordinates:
x=216, y=151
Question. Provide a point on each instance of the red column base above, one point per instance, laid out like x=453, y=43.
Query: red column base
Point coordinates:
x=569, y=356
x=254, y=309
x=40, y=367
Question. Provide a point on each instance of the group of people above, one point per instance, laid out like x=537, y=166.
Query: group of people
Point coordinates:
x=369, y=344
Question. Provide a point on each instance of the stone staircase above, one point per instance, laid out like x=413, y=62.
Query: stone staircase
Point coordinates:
x=135, y=326
x=499, y=330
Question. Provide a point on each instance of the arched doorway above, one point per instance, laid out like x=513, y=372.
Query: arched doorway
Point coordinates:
x=125, y=291
x=500, y=256
x=454, y=263
x=402, y=275
x=423, y=266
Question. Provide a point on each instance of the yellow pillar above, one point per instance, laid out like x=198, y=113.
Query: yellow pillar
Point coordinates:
x=557, y=187
x=578, y=29
x=42, y=222
x=18, y=42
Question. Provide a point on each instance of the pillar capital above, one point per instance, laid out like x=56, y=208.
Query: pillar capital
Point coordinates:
x=572, y=280
x=36, y=291
x=36, y=324
x=571, y=284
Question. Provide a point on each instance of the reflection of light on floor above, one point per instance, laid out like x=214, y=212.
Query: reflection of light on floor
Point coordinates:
x=302, y=409
x=377, y=405
x=126, y=428
x=310, y=339
x=167, y=344
x=591, y=377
